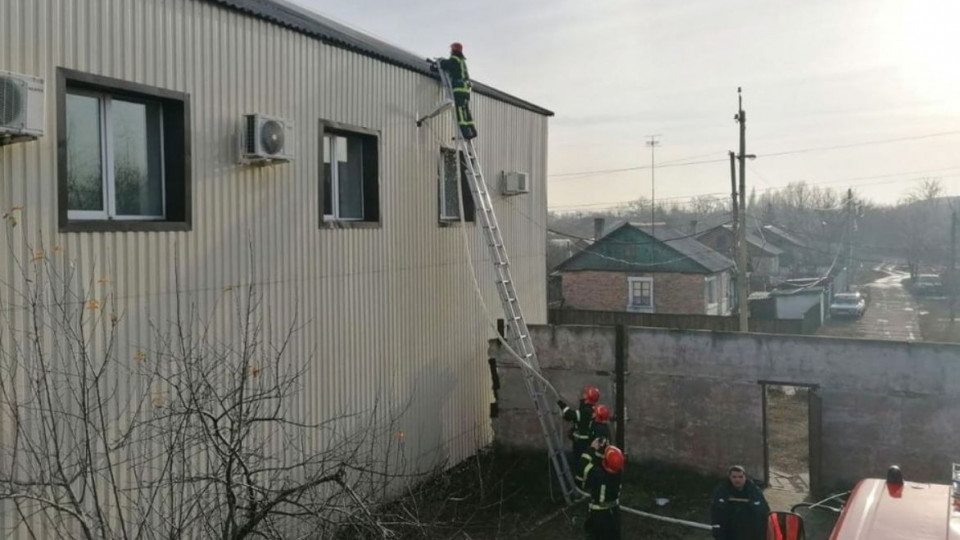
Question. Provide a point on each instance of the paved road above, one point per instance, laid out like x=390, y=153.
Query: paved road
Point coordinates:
x=892, y=313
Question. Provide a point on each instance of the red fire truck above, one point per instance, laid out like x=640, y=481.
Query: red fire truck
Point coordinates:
x=887, y=509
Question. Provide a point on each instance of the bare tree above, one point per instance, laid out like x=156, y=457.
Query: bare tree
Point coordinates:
x=918, y=223
x=198, y=436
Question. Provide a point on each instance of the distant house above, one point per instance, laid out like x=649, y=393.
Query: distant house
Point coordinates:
x=794, y=249
x=764, y=256
x=640, y=269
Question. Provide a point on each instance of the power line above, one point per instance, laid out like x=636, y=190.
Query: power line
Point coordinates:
x=865, y=143
x=682, y=162
x=624, y=203
x=723, y=195
x=663, y=165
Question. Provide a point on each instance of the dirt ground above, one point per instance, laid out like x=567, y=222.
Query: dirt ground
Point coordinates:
x=935, y=324
x=505, y=495
x=501, y=495
x=788, y=434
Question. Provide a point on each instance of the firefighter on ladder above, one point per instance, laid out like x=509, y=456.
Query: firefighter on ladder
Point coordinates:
x=581, y=417
x=456, y=68
x=602, y=483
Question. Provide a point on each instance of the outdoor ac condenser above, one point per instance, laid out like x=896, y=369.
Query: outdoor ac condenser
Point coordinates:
x=21, y=107
x=514, y=183
x=265, y=138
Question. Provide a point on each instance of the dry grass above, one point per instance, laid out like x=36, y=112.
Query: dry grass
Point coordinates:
x=788, y=432
x=935, y=322
x=507, y=495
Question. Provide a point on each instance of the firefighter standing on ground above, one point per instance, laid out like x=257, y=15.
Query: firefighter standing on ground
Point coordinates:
x=599, y=438
x=603, y=478
x=581, y=417
x=456, y=68
x=739, y=510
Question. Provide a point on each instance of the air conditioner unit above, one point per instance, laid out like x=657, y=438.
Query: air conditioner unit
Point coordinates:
x=266, y=138
x=21, y=107
x=514, y=183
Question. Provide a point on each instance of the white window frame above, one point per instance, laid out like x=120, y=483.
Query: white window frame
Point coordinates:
x=639, y=308
x=713, y=308
x=108, y=176
x=330, y=151
x=443, y=183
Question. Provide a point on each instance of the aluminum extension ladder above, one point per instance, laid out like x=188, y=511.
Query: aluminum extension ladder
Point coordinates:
x=518, y=335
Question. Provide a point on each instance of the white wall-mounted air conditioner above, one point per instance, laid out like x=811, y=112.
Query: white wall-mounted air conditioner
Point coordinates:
x=21, y=107
x=514, y=183
x=265, y=138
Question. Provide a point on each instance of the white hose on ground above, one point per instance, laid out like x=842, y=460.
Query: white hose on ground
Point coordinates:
x=675, y=521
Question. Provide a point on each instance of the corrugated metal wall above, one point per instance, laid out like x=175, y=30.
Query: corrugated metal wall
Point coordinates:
x=386, y=314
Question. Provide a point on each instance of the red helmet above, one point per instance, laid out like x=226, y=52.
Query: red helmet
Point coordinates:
x=456, y=47
x=613, y=460
x=601, y=413
x=591, y=394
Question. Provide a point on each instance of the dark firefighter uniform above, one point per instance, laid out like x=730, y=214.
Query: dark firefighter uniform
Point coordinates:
x=580, y=432
x=598, y=430
x=456, y=68
x=739, y=514
x=603, y=520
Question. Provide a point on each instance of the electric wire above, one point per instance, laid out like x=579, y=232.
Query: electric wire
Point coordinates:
x=718, y=195
x=686, y=161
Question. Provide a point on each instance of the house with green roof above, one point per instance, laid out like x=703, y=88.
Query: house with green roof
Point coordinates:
x=645, y=269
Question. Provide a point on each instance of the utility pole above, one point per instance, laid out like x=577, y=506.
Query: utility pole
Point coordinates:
x=849, y=239
x=743, y=283
x=735, y=205
x=733, y=192
x=653, y=143
x=953, y=266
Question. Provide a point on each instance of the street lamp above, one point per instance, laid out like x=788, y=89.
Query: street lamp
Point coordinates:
x=653, y=143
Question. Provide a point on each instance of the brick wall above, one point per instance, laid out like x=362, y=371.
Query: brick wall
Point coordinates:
x=672, y=293
x=679, y=293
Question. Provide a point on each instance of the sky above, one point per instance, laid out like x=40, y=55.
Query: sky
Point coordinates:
x=861, y=94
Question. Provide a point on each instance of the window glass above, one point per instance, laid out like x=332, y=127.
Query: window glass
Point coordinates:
x=327, y=180
x=350, y=177
x=137, y=163
x=84, y=154
x=641, y=293
x=448, y=191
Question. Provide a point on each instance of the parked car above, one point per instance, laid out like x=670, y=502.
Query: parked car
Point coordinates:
x=848, y=305
x=928, y=285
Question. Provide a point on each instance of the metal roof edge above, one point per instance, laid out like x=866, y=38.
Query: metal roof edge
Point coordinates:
x=332, y=33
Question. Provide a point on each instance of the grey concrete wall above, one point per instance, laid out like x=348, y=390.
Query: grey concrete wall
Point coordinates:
x=569, y=360
x=693, y=398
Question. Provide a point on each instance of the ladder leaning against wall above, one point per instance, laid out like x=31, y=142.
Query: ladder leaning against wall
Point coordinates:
x=518, y=336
